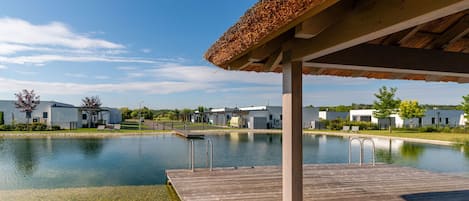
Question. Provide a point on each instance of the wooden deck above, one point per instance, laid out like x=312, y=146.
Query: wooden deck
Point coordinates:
x=188, y=134
x=321, y=182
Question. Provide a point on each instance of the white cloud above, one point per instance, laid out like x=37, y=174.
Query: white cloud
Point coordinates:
x=22, y=42
x=146, y=50
x=102, y=77
x=126, y=68
x=64, y=88
x=135, y=75
x=26, y=72
x=3, y=67
x=18, y=31
x=75, y=75
x=40, y=59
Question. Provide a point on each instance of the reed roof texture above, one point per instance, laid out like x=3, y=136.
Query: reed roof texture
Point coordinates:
x=256, y=25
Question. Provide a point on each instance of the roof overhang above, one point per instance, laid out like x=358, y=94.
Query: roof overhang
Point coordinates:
x=392, y=39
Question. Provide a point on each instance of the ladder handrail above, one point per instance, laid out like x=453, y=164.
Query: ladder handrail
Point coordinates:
x=191, y=155
x=362, y=141
x=209, y=155
x=209, y=152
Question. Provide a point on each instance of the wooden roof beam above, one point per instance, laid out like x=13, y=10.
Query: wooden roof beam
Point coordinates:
x=273, y=61
x=371, y=19
x=318, y=23
x=457, y=31
x=410, y=34
x=241, y=63
x=410, y=60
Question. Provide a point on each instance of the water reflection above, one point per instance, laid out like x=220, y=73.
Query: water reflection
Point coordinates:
x=25, y=156
x=91, y=147
x=412, y=151
x=142, y=160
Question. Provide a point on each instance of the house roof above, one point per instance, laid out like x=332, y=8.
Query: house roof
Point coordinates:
x=351, y=39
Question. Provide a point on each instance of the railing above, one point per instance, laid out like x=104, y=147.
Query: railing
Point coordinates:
x=209, y=152
x=362, y=141
x=209, y=155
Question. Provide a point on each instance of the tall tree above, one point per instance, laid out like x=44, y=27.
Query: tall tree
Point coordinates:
x=91, y=106
x=186, y=114
x=177, y=113
x=410, y=109
x=126, y=113
x=465, y=107
x=386, y=105
x=27, y=101
x=201, y=110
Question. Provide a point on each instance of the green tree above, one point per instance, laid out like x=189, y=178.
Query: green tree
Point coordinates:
x=126, y=113
x=186, y=114
x=410, y=109
x=91, y=106
x=201, y=110
x=465, y=107
x=27, y=101
x=177, y=113
x=386, y=105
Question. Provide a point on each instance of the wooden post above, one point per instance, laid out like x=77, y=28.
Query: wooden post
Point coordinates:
x=292, y=131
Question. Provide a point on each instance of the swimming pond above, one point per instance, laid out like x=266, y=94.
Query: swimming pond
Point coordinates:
x=142, y=160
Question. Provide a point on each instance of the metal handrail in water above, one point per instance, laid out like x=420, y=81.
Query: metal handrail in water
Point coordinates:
x=191, y=155
x=362, y=142
x=209, y=152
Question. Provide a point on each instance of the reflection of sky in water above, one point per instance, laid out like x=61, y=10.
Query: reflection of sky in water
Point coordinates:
x=141, y=160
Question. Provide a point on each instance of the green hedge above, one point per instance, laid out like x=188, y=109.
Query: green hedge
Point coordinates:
x=339, y=124
x=26, y=127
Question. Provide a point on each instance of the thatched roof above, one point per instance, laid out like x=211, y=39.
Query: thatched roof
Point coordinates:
x=256, y=25
x=413, y=40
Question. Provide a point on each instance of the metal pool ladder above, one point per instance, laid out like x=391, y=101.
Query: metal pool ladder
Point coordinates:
x=209, y=155
x=362, y=141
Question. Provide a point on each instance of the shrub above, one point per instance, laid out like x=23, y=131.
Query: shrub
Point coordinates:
x=338, y=124
x=55, y=128
x=428, y=129
x=21, y=127
x=6, y=127
x=38, y=127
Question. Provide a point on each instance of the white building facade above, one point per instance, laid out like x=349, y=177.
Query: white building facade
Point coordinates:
x=53, y=113
x=259, y=117
x=433, y=117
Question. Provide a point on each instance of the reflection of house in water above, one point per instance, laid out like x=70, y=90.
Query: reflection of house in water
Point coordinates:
x=451, y=118
x=257, y=117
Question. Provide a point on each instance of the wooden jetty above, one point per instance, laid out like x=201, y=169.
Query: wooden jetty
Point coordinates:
x=188, y=134
x=321, y=182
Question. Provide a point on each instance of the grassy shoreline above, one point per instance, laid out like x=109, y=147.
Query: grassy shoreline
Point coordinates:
x=431, y=138
x=118, y=193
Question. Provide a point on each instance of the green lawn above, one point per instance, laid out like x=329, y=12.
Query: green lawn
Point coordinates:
x=111, y=193
x=452, y=137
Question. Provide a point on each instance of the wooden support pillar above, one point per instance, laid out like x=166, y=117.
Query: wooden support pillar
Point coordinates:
x=292, y=130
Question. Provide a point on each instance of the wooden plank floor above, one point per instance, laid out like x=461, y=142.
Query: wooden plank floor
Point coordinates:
x=321, y=182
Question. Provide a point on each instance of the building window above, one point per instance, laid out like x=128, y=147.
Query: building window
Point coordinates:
x=44, y=115
x=433, y=120
x=84, y=117
x=447, y=120
x=270, y=117
x=281, y=117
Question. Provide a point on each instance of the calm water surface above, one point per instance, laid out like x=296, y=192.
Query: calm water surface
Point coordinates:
x=141, y=160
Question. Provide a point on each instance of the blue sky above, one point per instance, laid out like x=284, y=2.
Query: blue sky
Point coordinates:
x=152, y=51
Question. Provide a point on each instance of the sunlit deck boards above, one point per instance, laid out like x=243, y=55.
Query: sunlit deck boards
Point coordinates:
x=321, y=182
